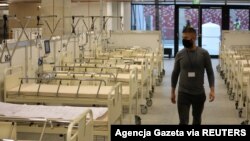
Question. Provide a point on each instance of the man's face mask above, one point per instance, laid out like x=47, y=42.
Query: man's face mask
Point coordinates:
x=187, y=43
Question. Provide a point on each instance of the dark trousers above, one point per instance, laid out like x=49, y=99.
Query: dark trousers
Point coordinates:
x=184, y=102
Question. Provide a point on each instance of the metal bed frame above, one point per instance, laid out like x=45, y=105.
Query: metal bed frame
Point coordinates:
x=113, y=100
x=144, y=78
x=131, y=85
x=79, y=128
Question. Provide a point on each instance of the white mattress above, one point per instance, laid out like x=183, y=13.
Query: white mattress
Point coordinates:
x=66, y=113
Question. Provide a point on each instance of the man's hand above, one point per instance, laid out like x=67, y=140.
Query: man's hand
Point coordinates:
x=173, y=98
x=211, y=96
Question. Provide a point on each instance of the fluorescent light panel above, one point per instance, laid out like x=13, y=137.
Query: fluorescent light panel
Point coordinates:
x=4, y=4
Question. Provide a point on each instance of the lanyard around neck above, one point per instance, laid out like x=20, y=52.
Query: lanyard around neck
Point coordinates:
x=190, y=60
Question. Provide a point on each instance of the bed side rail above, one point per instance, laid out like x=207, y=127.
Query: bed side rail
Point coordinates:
x=84, y=131
x=11, y=78
x=115, y=103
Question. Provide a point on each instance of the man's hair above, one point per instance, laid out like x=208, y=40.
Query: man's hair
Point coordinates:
x=188, y=29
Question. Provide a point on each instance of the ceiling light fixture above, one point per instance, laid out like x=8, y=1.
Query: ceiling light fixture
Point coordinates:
x=4, y=4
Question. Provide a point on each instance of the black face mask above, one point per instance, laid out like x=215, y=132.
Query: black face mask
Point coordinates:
x=187, y=43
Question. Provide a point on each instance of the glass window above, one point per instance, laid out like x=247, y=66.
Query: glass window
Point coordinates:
x=144, y=18
x=239, y=19
x=211, y=30
x=188, y=17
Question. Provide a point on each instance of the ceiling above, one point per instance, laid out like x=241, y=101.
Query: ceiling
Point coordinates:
x=209, y=1
x=14, y=1
x=38, y=1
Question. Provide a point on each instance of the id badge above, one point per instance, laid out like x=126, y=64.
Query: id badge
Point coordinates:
x=191, y=74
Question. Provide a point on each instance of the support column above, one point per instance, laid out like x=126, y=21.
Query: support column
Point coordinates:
x=157, y=15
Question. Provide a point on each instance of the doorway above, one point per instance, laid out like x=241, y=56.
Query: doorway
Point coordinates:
x=206, y=20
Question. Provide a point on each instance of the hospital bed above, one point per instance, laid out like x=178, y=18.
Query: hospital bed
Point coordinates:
x=238, y=67
x=16, y=91
x=144, y=79
x=247, y=109
x=121, y=75
x=124, y=58
x=129, y=90
x=138, y=55
x=74, y=122
x=237, y=71
x=120, y=64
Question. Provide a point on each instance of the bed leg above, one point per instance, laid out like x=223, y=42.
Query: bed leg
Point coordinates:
x=149, y=102
x=151, y=94
x=144, y=109
x=245, y=122
x=137, y=120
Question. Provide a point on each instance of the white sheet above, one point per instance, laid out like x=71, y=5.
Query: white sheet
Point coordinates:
x=67, y=113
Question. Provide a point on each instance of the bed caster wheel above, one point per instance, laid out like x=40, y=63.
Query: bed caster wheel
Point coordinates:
x=236, y=105
x=153, y=89
x=144, y=109
x=163, y=72
x=149, y=102
x=31, y=124
x=245, y=122
x=150, y=94
x=222, y=77
x=230, y=91
x=240, y=113
x=137, y=120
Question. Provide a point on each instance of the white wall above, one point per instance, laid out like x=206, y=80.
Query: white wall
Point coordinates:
x=119, y=9
x=109, y=9
x=88, y=9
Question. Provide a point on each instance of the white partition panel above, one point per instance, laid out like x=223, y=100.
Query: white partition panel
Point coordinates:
x=230, y=38
x=150, y=39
